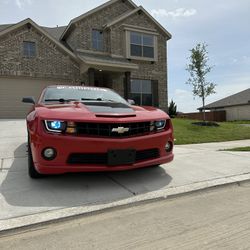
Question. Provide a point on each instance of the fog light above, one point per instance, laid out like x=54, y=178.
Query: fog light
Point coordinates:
x=49, y=154
x=169, y=146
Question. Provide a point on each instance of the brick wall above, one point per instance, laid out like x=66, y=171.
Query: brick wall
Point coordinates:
x=80, y=37
x=147, y=70
x=50, y=62
x=114, y=43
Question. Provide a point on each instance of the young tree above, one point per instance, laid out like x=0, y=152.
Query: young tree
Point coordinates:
x=198, y=68
x=172, y=109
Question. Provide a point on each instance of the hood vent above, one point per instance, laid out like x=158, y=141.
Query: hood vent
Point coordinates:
x=115, y=115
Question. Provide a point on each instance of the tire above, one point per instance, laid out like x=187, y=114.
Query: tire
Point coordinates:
x=31, y=168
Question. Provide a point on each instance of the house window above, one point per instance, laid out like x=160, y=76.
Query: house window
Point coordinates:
x=142, y=45
x=29, y=49
x=97, y=40
x=141, y=92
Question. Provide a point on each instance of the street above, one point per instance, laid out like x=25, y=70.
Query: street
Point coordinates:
x=213, y=219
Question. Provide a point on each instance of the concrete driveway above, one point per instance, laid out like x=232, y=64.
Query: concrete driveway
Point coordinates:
x=195, y=166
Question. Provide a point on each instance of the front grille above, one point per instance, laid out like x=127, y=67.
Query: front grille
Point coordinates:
x=105, y=129
x=102, y=158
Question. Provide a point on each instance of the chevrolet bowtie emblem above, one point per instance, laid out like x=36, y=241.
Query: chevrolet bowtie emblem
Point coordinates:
x=120, y=130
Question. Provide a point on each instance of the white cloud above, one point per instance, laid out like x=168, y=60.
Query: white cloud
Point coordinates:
x=240, y=60
x=21, y=3
x=180, y=12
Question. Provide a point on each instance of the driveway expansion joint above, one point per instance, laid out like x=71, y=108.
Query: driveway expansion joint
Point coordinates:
x=121, y=185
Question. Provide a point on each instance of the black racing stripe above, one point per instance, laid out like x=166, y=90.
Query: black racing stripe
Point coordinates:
x=109, y=108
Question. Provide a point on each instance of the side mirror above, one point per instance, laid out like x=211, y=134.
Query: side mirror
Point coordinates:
x=131, y=102
x=29, y=99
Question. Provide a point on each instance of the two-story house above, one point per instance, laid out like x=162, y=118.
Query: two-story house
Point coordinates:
x=117, y=45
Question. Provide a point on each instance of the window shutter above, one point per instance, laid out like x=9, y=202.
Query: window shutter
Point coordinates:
x=155, y=93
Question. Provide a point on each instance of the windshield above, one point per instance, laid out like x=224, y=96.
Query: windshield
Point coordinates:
x=80, y=93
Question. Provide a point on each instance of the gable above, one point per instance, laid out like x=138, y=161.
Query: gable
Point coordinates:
x=30, y=23
x=107, y=12
x=50, y=60
x=139, y=17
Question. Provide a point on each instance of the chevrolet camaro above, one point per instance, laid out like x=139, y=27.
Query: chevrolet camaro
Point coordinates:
x=87, y=129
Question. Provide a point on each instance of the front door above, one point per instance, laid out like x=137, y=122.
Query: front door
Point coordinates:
x=102, y=79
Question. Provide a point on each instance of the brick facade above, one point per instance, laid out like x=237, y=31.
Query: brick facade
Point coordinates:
x=80, y=36
x=147, y=70
x=50, y=62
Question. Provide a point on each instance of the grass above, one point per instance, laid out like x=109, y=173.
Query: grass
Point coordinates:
x=187, y=133
x=240, y=122
x=240, y=149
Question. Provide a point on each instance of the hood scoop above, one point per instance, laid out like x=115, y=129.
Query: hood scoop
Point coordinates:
x=115, y=115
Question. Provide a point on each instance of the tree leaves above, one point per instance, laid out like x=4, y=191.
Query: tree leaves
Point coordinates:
x=198, y=68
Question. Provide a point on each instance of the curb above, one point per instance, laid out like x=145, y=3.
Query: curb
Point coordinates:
x=25, y=222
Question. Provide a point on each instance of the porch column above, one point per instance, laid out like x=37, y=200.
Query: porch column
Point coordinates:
x=127, y=84
x=91, y=73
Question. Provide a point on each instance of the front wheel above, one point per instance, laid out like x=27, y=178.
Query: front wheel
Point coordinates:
x=31, y=168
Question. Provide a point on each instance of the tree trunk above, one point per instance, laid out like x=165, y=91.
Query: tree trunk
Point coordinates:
x=204, y=111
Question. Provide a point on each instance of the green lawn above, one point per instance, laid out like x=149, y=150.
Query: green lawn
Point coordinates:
x=241, y=149
x=240, y=122
x=187, y=133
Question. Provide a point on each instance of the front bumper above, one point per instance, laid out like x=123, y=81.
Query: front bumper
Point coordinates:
x=66, y=145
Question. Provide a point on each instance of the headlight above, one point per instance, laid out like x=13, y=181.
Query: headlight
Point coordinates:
x=55, y=126
x=160, y=124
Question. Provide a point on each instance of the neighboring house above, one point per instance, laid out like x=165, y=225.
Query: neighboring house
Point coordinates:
x=237, y=106
x=116, y=45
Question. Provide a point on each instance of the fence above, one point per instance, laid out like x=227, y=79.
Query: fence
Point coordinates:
x=217, y=116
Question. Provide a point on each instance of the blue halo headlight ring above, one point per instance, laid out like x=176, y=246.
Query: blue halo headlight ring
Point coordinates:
x=55, y=126
x=160, y=124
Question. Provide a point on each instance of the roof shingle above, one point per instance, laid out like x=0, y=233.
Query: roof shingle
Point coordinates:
x=56, y=32
x=240, y=98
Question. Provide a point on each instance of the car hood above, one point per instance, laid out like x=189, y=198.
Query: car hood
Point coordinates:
x=98, y=110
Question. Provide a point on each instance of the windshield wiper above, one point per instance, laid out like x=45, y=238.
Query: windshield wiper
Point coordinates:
x=91, y=99
x=60, y=100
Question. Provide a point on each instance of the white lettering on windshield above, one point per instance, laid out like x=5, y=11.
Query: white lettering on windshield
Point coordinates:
x=80, y=88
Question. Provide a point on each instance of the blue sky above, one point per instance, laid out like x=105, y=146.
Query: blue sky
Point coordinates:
x=222, y=24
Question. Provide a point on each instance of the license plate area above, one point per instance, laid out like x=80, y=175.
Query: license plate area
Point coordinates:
x=121, y=157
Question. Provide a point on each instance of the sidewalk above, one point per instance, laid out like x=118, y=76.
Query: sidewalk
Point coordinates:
x=24, y=201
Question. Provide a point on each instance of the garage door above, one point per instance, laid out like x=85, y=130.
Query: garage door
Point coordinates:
x=13, y=90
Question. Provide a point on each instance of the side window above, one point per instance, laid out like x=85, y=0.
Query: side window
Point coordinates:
x=29, y=49
x=97, y=40
x=141, y=92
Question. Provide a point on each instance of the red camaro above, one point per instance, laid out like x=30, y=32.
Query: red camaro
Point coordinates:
x=86, y=129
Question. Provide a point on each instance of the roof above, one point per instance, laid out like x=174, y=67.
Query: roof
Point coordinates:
x=45, y=32
x=56, y=32
x=106, y=61
x=129, y=13
x=241, y=98
x=4, y=26
x=92, y=11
